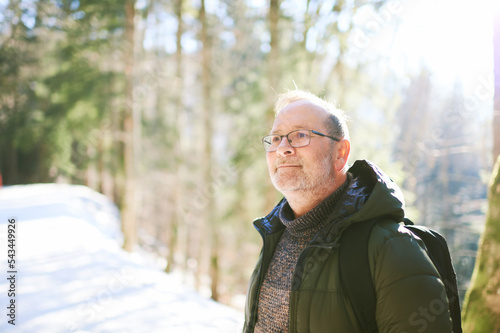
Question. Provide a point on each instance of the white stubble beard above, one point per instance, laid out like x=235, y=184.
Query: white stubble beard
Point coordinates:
x=287, y=181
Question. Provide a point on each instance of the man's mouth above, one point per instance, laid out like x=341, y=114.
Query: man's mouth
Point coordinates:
x=288, y=166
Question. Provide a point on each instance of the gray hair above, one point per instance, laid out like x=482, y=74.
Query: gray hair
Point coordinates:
x=337, y=123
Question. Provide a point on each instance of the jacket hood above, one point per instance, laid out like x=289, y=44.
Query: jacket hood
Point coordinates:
x=370, y=194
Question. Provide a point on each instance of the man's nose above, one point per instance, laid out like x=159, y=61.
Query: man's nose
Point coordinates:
x=285, y=148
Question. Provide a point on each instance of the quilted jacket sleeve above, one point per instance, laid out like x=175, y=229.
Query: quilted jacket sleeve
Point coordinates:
x=410, y=294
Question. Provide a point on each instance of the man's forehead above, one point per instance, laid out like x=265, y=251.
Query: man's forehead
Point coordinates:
x=300, y=114
x=280, y=127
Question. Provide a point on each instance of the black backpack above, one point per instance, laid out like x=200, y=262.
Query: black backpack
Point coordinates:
x=354, y=267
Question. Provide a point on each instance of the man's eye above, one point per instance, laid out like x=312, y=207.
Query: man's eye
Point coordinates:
x=301, y=135
x=276, y=139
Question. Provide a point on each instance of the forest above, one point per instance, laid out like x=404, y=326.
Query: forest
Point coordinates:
x=161, y=105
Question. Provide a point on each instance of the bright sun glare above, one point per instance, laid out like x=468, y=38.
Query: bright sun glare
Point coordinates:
x=453, y=39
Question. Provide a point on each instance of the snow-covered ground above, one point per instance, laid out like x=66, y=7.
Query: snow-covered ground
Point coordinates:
x=71, y=274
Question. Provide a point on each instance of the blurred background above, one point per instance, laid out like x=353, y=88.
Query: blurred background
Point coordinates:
x=160, y=106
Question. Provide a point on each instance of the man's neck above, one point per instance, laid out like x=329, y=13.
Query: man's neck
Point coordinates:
x=302, y=201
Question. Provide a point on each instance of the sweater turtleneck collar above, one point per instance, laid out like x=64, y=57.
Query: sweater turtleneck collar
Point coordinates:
x=308, y=224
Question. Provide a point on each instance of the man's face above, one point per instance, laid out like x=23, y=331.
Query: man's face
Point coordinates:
x=308, y=168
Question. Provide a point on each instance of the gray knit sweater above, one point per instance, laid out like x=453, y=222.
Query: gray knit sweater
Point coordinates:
x=275, y=292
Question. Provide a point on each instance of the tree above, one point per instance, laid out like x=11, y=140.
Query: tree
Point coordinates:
x=128, y=205
x=482, y=303
x=496, y=105
x=179, y=165
x=207, y=117
x=273, y=78
x=61, y=78
x=18, y=65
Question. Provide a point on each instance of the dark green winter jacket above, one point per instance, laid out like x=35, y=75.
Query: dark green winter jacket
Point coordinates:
x=410, y=294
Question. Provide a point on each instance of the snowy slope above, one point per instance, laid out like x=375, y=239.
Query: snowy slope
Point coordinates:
x=72, y=275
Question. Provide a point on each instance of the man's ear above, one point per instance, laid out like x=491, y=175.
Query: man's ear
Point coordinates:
x=343, y=151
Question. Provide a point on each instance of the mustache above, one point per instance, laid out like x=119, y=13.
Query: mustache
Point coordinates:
x=287, y=160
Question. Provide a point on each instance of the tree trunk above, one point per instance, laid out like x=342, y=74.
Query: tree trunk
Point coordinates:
x=210, y=221
x=11, y=173
x=91, y=174
x=496, y=103
x=482, y=302
x=128, y=207
x=274, y=53
x=176, y=222
x=274, y=73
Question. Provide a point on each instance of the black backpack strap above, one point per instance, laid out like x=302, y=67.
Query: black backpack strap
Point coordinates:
x=355, y=275
x=439, y=253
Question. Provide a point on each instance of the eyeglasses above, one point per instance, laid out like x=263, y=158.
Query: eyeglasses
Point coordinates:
x=297, y=139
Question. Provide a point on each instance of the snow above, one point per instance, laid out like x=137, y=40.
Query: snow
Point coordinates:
x=73, y=276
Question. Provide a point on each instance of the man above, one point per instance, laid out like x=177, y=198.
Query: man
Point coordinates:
x=296, y=285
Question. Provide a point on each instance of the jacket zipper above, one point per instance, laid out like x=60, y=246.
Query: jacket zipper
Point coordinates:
x=255, y=305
